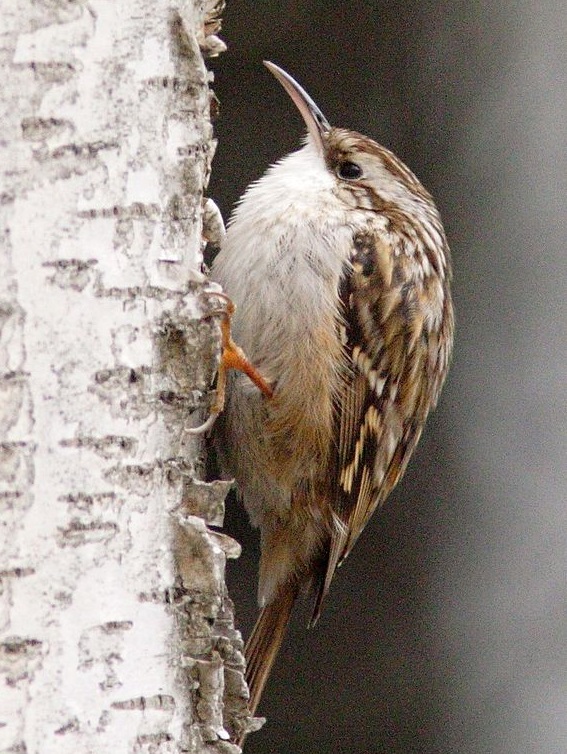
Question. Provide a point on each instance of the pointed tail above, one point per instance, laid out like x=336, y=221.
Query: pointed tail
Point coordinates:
x=265, y=641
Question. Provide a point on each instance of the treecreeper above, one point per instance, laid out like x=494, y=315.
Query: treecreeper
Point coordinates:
x=339, y=269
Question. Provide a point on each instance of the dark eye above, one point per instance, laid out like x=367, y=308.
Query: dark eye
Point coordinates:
x=350, y=171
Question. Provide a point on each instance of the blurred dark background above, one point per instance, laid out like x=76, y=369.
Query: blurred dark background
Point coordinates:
x=446, y=630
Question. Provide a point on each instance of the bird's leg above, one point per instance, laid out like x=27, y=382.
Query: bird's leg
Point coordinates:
x=232, y=357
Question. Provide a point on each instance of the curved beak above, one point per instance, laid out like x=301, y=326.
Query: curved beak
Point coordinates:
x=315, y=121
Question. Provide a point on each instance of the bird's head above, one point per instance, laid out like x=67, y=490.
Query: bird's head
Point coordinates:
x=366, y=174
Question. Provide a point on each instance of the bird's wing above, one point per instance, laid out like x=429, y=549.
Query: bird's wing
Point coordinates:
x=396, y=358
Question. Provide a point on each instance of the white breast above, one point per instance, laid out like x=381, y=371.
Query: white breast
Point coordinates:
x=283, y=255
x=281, y=264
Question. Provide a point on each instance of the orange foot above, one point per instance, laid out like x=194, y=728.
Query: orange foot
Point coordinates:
x=232, y=357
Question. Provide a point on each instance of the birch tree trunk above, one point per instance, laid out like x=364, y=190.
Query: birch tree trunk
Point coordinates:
x=117, y=635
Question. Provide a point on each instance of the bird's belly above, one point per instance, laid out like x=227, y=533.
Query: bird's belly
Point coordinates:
x=287, y=322
x=299, y=419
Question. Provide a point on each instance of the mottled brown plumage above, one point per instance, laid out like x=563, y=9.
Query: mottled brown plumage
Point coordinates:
x=340, y=270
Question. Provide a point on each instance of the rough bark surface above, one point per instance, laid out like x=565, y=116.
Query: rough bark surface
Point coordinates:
x=117, y=634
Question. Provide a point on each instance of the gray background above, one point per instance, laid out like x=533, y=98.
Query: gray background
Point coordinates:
x=446, y=629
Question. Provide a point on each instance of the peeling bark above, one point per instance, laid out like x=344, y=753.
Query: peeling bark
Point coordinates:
x=117, y=633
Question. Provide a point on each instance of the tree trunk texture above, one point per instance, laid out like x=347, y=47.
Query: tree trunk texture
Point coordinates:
x=117, y=633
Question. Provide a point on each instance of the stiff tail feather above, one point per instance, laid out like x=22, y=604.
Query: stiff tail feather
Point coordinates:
x=264, y=642
x=334, y=558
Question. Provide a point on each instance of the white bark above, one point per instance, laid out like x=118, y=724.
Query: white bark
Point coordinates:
x=115, y=627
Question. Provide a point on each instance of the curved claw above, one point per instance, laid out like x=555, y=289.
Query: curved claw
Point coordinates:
x=205, y=427
x=232, y=357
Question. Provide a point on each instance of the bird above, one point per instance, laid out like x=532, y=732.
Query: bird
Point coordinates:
x=339, y=270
